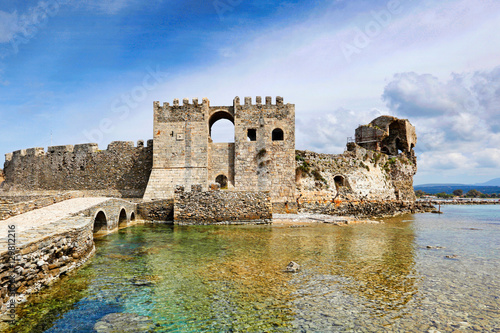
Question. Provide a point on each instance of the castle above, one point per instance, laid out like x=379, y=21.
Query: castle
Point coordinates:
x=377, y=166
x=262, y=157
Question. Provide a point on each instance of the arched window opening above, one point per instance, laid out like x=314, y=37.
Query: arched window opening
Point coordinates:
x=339, y=181
x=221, y=127
x=132, y=216
x=222, y=181
x=100, y=222
x=277, y=134
x=123, y=217
x=399, y=146
x=252, y=134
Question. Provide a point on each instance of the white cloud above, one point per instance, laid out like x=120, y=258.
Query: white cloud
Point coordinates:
x=457, y=120
x=8, y=26
x=328, y=132
x=108, y=6
x=424, y=95
x=489, y=157
x=445, y=161
x=303, y=62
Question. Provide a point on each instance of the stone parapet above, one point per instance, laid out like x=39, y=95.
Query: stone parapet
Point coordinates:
x=33, y=262
x=157, y=210
x=362, y=209
x=15, y=208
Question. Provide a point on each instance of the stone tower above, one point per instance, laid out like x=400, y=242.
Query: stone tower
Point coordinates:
x=262, y=157
x=388, y=135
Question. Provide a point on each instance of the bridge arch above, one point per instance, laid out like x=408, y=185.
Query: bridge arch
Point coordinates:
x=122, y=218
x=100, y=221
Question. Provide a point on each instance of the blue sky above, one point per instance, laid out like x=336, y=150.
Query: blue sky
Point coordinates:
x=88, y=71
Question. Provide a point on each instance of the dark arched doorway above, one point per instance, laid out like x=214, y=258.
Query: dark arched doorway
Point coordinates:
x=222, y=181
x=339, y=181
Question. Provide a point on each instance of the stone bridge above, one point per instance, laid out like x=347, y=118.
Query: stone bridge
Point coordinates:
x=41, y=245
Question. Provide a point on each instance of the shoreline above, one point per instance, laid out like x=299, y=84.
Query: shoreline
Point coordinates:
x=460, y=202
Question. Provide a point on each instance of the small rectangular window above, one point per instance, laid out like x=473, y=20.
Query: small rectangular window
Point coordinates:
x=252, y=134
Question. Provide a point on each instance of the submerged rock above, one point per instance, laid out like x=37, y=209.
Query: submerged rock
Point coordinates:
x=292, y=267
x=147, y=280
x=124, y=322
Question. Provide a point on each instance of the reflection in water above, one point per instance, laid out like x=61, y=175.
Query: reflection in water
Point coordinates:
x=231, y=278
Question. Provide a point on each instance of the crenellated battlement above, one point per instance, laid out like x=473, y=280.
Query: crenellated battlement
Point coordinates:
x=35, y=151
x=178, y=113
x=84, y=148
x=120, y=145
x=60, y=149
x=258, y=101
x=19, y=153
x=185, y=104
x=176, y=105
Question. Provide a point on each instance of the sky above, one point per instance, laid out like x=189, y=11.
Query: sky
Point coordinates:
x=89, y=70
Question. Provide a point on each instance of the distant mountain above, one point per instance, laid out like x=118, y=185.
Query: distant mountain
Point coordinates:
x=493, y=182
x=443, y=184
x=449, y=188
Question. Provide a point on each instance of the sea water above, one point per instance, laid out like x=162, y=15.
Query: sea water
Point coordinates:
x=413, y=273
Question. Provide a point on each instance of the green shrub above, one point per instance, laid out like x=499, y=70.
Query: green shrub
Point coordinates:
x=261, y=153
x=317, y=176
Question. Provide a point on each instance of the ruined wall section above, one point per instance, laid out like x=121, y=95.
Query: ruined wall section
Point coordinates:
x=221, y=207
x=122, y=167
x=356, y=175
x=389, y=135
x=180, y=149
x=265, y=164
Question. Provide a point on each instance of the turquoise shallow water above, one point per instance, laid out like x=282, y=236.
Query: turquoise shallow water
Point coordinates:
x=366, y=278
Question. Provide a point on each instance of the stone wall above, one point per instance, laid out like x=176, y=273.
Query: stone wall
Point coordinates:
x=37, y=262
x=267, y=163
x=156, y=210
x=122, y=168
x=221, y=162
x=180, y=149
x=361, y=209
x=357, y=175
x=221, y=206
